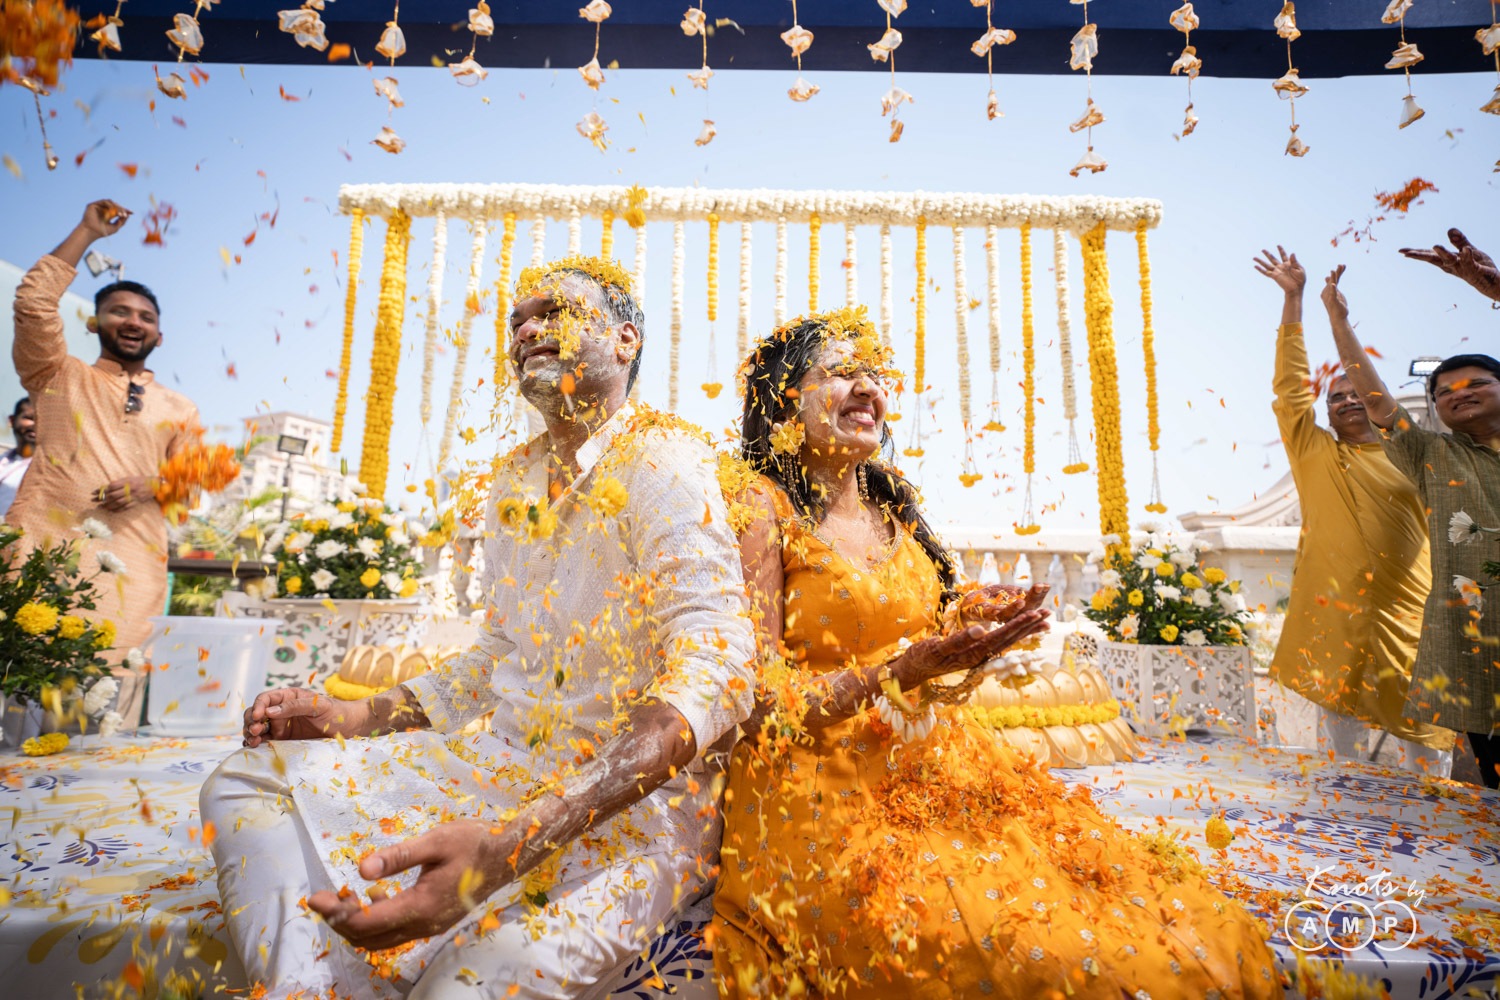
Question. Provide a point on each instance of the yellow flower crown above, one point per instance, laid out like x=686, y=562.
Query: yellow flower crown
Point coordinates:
x=852, y=324
x=606, y=272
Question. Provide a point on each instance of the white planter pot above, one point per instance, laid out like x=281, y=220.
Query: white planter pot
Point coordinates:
x=314, y=637
x=1165, y=689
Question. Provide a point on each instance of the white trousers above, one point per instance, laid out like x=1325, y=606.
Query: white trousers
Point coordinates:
x=267, y=863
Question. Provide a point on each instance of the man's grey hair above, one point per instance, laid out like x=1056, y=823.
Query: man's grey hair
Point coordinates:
x=621, y=307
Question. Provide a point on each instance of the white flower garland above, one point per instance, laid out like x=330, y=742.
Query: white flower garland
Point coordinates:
x=851, y=277
x=742, y=335
x=961, y=333
x=640, y=267
x=887, y=295
x=575, y=230
x=780, y=313
x=538, y=241
x=434, y=304
x=1064, y=324
x=992, y=278
x=678, y=258
x=461, y=343
x=970, y=210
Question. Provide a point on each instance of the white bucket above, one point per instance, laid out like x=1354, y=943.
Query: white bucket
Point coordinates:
x=205, y=672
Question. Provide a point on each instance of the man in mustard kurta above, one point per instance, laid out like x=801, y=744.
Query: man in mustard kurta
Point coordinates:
x=1362, y=571
x=103, y=431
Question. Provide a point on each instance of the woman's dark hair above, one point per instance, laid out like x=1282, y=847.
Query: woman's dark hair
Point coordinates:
x=1461, y=361
x=779, y=363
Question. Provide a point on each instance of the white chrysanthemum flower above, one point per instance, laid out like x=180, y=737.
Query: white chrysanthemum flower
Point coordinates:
x=111, y=723
x=1129, y=626
x=322, y=512
x=1202, y=598
x=1109, y=540
x=392, y=582
x=111, y=563
x=340, y=521
x=368, y=547
x=322, y=579
x=399, y=539
x=95, y=528
x=1461, y=528
x=297, y=542
x=1194, y=637
x=1147, y=561
x=329, y=549
x=1469, y=591
x=1182, y=560
x=135, y=659
x=101, y=695
x=1094, y=556
x=1167, y=592
x=1109, y=578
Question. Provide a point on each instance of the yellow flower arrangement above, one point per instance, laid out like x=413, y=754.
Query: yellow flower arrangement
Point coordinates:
x=1191, y=582
x=1148, y=347
x=104, y=634
x=1028, y=353
x=1168, y=633
x=293, y=585
x=814, y=253
x=1039, y=717
x=607, y=234
x=45, y=745
x=369, y=578
x=343, y=690
x=1114, y=517
x=1214, y=574
x=635, y=213
x=71, y=627
x=35, y=618
x=502, y=304
x=713, y=266
x=1105, y=596
x=1135, y=598
x=351, y=291
x=1217, y=833
x=385, y=357
x=1165, y=569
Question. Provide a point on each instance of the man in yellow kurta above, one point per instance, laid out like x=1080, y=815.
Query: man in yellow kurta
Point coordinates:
x=1362, y=571
x=103, y=431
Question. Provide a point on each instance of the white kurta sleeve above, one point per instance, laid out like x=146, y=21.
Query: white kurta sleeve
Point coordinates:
x=678, y=532
x=458, y=691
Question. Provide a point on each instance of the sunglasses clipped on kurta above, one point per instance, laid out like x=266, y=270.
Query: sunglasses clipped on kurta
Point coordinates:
x=133, y=395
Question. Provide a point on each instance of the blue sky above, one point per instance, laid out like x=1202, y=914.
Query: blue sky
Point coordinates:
x=244, y=150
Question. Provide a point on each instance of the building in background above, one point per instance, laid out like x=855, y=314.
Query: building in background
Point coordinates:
x=290, y=452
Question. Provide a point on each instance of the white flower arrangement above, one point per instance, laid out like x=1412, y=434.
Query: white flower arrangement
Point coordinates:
x=1158, y=593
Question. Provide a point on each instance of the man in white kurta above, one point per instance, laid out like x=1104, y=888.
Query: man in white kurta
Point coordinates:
x=616, y=655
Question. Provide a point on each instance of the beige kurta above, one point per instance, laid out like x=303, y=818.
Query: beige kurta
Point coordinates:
x=1362, y=567
x=85, y=440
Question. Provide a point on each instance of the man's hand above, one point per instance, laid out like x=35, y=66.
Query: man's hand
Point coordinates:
x=463, y=863
x=1285, y=271
x=1333, y=299
x=300, y=714
x=1470, y=263
x=102, y=218
x=122, y=494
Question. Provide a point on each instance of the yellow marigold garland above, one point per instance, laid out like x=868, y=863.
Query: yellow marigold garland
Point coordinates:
x=814, y=254
x=351, y=293
x=1039, y=717
x=1148, y=346
x=1104, y=376
x=502, y=305
x=607, y=235
x=712, y=388
x=374, y=459
x=1028, y=525
x=45, y=745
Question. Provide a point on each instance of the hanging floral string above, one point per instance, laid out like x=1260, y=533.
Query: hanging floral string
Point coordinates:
x=1404, y=58
x=1076, y=464
x=1186, y=21
x=108, y=33
x=919, y=366
x=538, y=241
x=1104, y=378
x=712, y=388
x=467, y=72
x=814, y=259
x=185, y=32
x=351, y=294
x=984, y=48
x=1085, y=46
x=679, y=239
x=885, y=51
x=592, y=126
x=502, y=307
x=606, y=234
x=1028, y=525
x=1489, y=42
x=695, y=22
x=1289, y=87
x=992, y=280
x=961, y=334
x=434, y=304
x=575, y=231
x=392, y=42
x=780, y=314
x=799, y=40
x=1148, y=347
x=742, y=331
x=635, y=218
x=851, y=276
x=461, y=338
x=385, y=356
x=887, y=291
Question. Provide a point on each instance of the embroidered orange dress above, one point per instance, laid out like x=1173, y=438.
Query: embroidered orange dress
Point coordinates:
x=854, y=866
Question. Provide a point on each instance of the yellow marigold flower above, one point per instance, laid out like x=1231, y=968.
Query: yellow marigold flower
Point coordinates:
x=369, y=578
x=42, y=746
x=1234, y=586
x=1217, y=833
x=541, y=522
x=609, y=496
x=104, y=635
x=71, y=627
x=1154, y=552
x=346, y=506
x=1136, y=598
x=408, y=587
x=36, y=618
x=787, y=438
x=1214, y=574
x=512, y=511
x=1165, y=569
x=294, y=585
x=1191, y=582
x=1103, y=598
x=1168, y=632
x=319, y=525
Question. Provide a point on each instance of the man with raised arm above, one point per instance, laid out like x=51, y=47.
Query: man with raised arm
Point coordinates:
x=1456, y=680
x=103, y=430
x=1362, y=574
x=532, y=859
